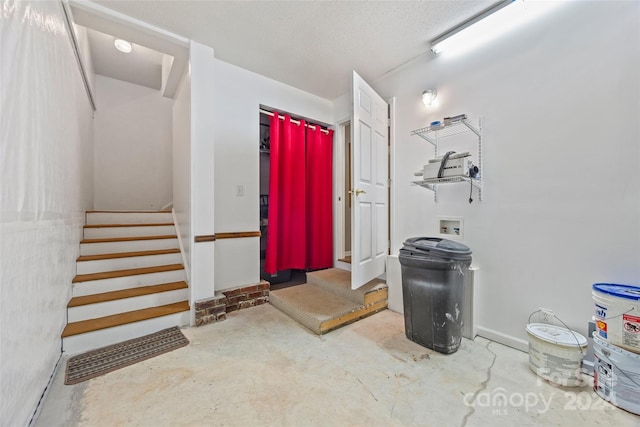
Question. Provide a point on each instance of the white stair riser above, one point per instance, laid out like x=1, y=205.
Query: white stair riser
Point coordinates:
x=91, y=340
x=128, y=217
x=127, y=263
x=102, y=309
x=119, y=283
x=128, y=246
x=110, y=232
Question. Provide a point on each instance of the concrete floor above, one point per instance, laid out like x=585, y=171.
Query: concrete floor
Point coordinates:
x=259, y=367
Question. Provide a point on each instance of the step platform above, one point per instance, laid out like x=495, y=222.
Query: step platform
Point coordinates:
x=327, y=302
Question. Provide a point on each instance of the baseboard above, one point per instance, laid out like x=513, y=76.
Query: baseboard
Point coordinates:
x=342, y=265
x=47, y=389
x=503, y=339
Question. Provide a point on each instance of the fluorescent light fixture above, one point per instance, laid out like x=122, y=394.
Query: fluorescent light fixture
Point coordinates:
x=122, y=45
x=428, y=96
x=489, y=24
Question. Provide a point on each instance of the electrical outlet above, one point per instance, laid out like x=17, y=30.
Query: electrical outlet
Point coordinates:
x=547, y=314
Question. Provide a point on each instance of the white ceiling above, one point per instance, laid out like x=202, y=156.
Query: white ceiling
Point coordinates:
x=311, y=45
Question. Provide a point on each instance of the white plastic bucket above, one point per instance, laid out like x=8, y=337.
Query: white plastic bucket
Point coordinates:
x=616, y=375
x=618, y=315
x=555, y=353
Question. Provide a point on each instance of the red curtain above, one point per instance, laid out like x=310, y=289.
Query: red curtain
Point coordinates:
x=319, y=200
x=286, y=235
x=300, y=221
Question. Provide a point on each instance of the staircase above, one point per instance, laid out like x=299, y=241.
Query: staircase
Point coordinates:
x=130, y=280
x=327, y=302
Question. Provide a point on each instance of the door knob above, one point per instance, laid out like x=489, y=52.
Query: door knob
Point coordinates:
x=357, y=192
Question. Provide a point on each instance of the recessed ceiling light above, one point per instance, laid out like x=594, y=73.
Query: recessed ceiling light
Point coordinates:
x=122, y=45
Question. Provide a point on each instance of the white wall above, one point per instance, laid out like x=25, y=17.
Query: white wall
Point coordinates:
x=203, y=96
x=182, y=168
x=238, y=95
x=46, y=156
x=561, y=207
x=133, y=148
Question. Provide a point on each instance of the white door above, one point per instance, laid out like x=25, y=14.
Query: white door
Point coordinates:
x=369, y=154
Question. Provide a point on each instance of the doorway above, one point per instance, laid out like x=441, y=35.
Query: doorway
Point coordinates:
x=344, y=186
x=345, y=253
x=295, y=198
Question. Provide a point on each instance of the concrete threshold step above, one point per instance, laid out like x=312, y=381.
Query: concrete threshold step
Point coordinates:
x=338, y=281
x=91, y=325
x=125, y=293
x=320, y=310
x=124, y=273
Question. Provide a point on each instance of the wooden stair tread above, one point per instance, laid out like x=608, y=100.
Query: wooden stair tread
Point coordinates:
x=124, y=273
x=129, y=212
x=154, y=224
x=127, y=239
x=90, y=325
x=125, y=293
x=127, y=254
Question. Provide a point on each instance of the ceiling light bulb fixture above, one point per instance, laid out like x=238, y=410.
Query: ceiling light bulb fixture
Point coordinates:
x=122, y=45
x=428, y=96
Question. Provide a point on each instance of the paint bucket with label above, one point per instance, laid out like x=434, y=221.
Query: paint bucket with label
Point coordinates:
x=616, y=375
x=555, y=353
x=617, y=315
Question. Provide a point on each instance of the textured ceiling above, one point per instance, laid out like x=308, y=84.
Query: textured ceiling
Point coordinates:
x=311, y=45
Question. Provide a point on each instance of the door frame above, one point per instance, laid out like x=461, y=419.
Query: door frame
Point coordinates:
x=392, y=173
x=339, y=195
x=339, y=180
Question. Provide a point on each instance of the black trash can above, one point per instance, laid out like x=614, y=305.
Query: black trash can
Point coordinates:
x=433, y=275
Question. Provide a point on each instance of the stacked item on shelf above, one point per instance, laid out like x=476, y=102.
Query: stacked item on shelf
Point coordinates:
x=616, y=344
x=450, y=165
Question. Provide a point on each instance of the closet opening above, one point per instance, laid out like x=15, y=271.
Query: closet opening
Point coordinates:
x=296, y=192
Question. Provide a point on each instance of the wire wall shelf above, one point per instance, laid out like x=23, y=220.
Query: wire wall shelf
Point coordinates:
x=434, y=135
x=429, y=182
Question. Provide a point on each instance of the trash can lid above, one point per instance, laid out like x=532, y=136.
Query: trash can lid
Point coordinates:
x=438, y=247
